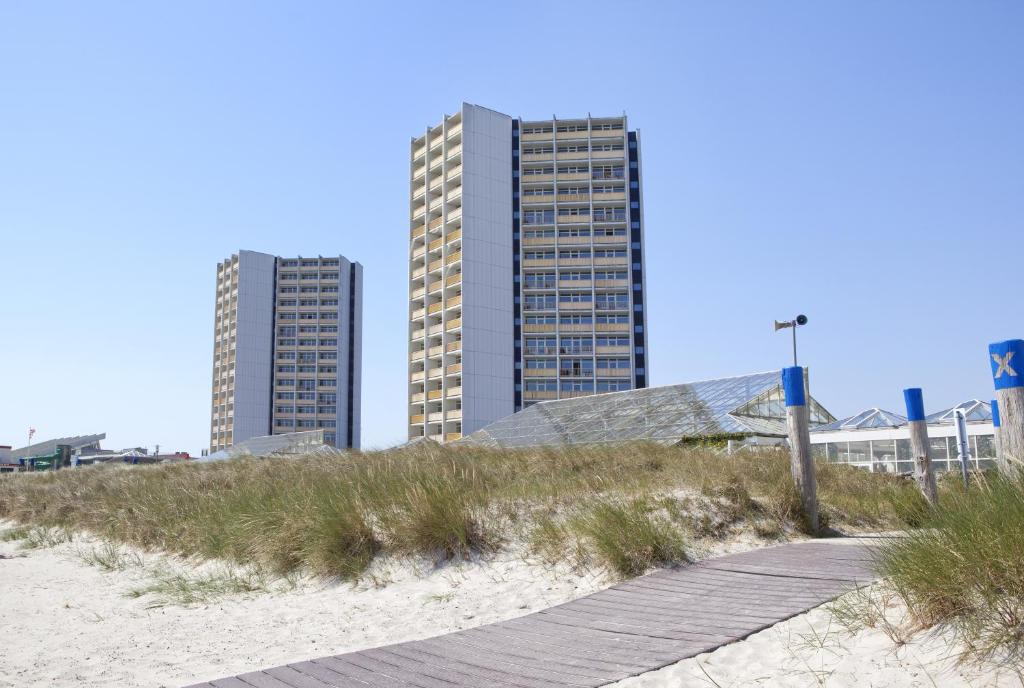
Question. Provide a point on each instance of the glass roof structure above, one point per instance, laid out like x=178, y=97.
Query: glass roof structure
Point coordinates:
x=748, y=405
x=976, y=412
x=47, y=447
x=871, y=418
x=311, y=441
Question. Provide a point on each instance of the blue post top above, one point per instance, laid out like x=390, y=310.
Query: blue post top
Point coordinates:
x=1007, y=359
x=793, y=386
x=995, y=414
x=915, y=403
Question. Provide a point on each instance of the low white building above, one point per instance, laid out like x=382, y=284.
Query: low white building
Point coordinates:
x=880, y=440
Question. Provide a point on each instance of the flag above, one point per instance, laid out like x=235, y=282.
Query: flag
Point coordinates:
x=31, y=433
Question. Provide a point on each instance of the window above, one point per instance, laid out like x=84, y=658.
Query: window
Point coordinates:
x=306, y=369
x=541, y=363
x=329, y=369
x=614, y=301
x=328, y=355
x=306, y=396
x=539, y=234
x=327, y=397
x=563, y=128
x=289, y=263
x=574, y=191
x=577, y=367
x=538, y=217
x=284, y=423
x=609, y=214
x=307, y=302
x=329, y=315
x=328, y=342
x=329, y=275
x=307, y=355
x=286, y=331
x=286, y=303
x=607, y=189
x=287, y=290
x=288, y=276
x=612, y=385
x=576, y=345
x=305, y=409
x=574, y=232
x=613, y=341
x=539, y=255
x=541, y=386
x=537, y=130
x=574, y=253
x=610, y=231
x=607, y=147
x=621, y=319
x=575, y=297
x=574, y=275
x=540, y=320
x=573, y=212
x=578, y=386
x=307, y=290
x=307, y=329
x=285, y=396
x=539, y=302
x=613, y=363
x=541, y=345
x=615, y=126
x=327, y=383
x=573, y=148
x=328, y=329
x=609, y=274
x=305, y=423
x=330, y=263
x=329, y=289
x=286, y=316
x=329, y=410
x=307, y=384
x=286, y=342
x=307, y=342
x=327, y=423
x=531, y=171
x=577, y=319
x=573, y=169
x=540, y=191
x=307, y=316
x=537, y=150
x=608, y=172
x=540, y=280
x=285, y=382
x=309, y=276
x=286, y=369
x=610, y=253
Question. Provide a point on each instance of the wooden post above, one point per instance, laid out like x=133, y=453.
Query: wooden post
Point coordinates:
x=996, y=432
x=923, y=473
x=1007, y=359
x=798, y=424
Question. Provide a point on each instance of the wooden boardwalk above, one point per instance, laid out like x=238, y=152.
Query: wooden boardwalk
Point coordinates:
x=628, y=629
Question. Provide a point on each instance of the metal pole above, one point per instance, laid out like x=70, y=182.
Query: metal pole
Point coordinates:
x=1007, y=360
x=963, y=444
x=794, y=342
x=996, y=438
x=923, y=473
x=798, y=425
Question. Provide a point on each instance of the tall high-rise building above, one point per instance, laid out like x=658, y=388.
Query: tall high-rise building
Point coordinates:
x=526, y=272
x=287, y=352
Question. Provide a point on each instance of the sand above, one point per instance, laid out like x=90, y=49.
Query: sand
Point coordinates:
x=66, y=622
x=813, y=649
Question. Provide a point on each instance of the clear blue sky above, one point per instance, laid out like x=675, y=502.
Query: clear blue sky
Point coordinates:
x=860, y=162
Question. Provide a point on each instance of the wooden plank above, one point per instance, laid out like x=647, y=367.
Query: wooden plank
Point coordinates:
x=297, y=678
x=631, y=628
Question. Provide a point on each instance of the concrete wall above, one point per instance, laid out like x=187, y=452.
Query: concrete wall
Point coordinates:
x=487, y=334
x=254, y=345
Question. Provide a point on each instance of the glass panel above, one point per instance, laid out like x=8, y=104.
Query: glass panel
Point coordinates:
x=837, y=452
x=938, y=453
x=860, y=452
x=903, y=451
x=818, y=452
x=905, y=466
x=985, y=446
x=883, y=456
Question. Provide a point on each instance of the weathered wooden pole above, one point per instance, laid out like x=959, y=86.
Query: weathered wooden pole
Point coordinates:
x=1007, y=359
x=923, y=473
x=996, y=432
x=800, y=461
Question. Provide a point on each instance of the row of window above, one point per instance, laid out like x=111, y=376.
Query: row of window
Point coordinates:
x=306, y=384
x=577, y=385
x=550, y=233
x=307, y=355
x=307, y=369
x=547, y=217
x=542, y=280
x=575, y=253
x=577, y=363
x=575, y=190
x=572, y=148
x=565, y=128
x=304, y=423
x=328, y=410
x=550, y=346
x=288, y=303
x=324, y=289
x=575, y=319
x=289, y=330
x=311, y=262
x=327, y=315
x=306, y=342
x=290, y=276
x=545, y=301
x=596, y=172
x=321, y=397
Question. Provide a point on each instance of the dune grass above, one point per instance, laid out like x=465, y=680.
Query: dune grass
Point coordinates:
x=626, y=508
x=965, y=566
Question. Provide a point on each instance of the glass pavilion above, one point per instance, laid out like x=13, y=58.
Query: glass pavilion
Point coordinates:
x=880, y=440
x=749, y=407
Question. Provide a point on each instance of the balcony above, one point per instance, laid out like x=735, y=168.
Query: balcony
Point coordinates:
x=418, y=272
x=435, y=223
x=454, y=392
x=434, y=351
x=539, y=327
x=416, y=398
x=418, y=314
x=539, y=263
x=600, y=197
x=416, y=419
x=434, y=265
x=575, y=372
x=538, y=372
x=454, y=346
x=417, y=334
x=434, y=308
x=539, y=284
x=454, y=414
x=454, y=172
x=453, y=258
x=617, y=262
x=454, y=151
x=454, y=324
x=622, y=240
x=611, y=327
x=416, y=376
x=433, y=394
x=576, y=306
x=536, y=396
x=418, y=251
x=614, y=372
x=453, y=301
x=417, y=293
x=453, y=235
x=577, y=327
x=576, y=155
x=452, y=280
x=452, y=436
x=417, y=356
x=417, y=232
x=538, y=157
x=535, y=178
x=537, y=137
x=574, y=177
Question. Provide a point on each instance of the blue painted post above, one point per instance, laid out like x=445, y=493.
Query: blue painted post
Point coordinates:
x=1007, y=359
x=923, y=473
x=800, y=461
x=996, y=432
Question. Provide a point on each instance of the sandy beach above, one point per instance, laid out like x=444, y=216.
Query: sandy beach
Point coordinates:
x=69, y=621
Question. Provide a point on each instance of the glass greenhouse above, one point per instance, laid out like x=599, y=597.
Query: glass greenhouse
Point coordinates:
x=748, y=406
x=880, y=440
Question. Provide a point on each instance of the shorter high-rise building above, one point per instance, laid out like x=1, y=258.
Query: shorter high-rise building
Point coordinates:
x=287, y=352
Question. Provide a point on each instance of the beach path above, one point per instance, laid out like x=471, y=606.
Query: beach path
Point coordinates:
x=628, y=629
